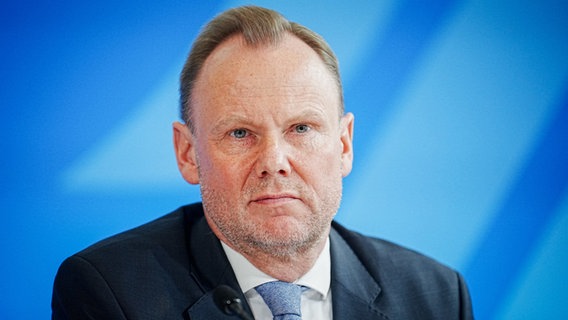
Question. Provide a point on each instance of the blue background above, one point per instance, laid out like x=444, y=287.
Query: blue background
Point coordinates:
x=461, y=134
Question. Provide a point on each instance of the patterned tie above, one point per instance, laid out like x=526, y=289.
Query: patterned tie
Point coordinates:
x=283, y=299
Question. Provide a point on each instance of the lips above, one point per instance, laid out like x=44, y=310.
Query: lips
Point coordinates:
x=274, y=198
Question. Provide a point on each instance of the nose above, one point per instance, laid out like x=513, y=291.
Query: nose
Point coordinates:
x=273, y=158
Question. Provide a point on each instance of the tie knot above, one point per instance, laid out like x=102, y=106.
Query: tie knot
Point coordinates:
x=283, y=299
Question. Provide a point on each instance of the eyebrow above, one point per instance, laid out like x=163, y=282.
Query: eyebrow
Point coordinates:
x=233, y=119
x=229, y=121
x=312, y=113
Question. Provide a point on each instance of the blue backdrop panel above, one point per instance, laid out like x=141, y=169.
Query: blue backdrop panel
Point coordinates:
x=461, y=112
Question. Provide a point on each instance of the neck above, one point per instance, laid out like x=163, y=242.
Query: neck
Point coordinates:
x=289, y=267
x=286, y=261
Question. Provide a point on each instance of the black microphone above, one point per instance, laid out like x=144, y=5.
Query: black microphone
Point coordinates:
x=227, y=300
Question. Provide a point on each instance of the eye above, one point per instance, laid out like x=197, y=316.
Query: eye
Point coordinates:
x=239, y=133
x=302, y=128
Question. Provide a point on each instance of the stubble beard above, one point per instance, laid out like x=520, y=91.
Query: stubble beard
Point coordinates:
x=252, y=238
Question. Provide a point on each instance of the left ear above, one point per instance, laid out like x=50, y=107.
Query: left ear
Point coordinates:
x=346, y=129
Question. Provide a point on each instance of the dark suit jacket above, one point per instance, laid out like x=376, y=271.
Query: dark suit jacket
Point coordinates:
x=166, y=269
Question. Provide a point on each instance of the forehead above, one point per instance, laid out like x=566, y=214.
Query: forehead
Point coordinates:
x=286, y=69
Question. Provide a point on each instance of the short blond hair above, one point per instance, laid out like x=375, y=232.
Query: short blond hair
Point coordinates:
x=258, y=26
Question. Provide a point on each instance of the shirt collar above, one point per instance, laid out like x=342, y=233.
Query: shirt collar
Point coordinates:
x=248, y=276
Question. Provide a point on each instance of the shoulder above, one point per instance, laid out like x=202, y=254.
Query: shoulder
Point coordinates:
x=164, y=233
x=160, y=233
x=141, y=269
x=381, y=254
x=410, y=281
x=160, y=242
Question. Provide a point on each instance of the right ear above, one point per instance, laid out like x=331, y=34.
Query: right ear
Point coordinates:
x=184, y=147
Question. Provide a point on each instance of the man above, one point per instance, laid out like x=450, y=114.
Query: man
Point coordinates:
x=266, y=137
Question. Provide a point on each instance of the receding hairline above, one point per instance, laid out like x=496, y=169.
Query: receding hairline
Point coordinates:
x=258, y=27
x=239, y=43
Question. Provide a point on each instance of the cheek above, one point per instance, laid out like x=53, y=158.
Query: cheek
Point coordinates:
x=221, y=172
x=325, y=152
x=322, y=166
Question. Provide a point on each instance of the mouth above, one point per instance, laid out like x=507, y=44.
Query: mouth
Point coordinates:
x=274, y=199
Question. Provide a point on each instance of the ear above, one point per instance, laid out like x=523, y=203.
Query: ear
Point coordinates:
x=346, y=129
x=184, y=147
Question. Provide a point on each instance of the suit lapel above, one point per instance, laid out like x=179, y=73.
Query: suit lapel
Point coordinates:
x=209, y=268
x=354, y=291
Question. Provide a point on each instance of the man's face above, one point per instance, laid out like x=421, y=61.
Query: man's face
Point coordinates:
x=269, y=146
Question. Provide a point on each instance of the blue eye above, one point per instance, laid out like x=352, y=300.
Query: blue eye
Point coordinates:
x=239, y=133
x=302, y=128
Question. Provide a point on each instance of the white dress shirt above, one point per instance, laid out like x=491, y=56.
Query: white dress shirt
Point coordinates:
x=316, y=300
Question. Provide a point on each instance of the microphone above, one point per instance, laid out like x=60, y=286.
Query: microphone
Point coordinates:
x=227, y=300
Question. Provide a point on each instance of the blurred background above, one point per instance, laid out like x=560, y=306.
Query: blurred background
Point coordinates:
x=461, y=134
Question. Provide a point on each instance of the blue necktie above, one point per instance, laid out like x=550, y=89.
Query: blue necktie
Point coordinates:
x=283, y=299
